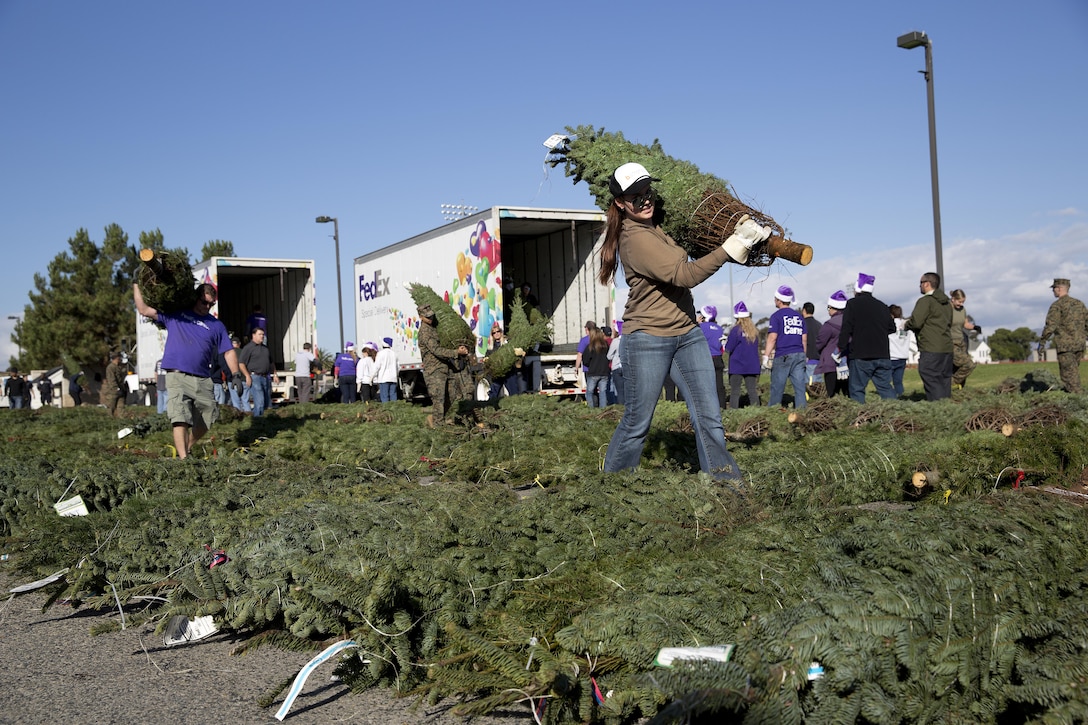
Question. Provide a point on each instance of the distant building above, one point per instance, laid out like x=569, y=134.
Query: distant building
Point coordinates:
x=980, y=351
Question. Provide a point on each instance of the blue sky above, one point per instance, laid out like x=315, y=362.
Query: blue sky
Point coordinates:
x=245, y=120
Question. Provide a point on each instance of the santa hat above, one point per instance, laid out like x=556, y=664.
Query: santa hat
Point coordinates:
x=740, y=310
x=837, y=300
x=865, y=282
x=710, y=312
x=387, y=342
x=784, y=293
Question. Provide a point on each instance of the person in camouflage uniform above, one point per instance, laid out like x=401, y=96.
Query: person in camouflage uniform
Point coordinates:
x=115, y=388
x=962, y=364
x=1067, y=322
x=444, y=369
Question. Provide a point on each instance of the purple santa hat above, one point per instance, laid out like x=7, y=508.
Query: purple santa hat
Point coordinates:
x=837, y=300
x=740, y=310
x=710, y=312
x=865, y=282
x=784, y=293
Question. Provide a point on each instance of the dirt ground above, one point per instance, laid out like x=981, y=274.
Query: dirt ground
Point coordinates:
x=54, y=671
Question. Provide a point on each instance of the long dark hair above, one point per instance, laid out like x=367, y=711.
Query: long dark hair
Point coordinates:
x=597, y=340
x=610, y=249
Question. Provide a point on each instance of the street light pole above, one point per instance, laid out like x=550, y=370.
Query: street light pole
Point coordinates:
x=339, y=289
x=909, y=41
x=18, y=323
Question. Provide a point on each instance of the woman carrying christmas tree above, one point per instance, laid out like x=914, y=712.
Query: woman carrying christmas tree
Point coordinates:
x=660, y=332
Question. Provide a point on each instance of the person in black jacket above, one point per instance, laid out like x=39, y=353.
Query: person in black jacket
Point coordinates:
x=866, y=324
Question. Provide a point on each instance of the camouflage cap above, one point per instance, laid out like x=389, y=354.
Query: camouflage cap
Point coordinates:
x=425, y=311
x=1058, y=282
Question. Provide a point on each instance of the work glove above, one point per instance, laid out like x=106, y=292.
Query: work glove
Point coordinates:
x=745, y=236
x=239, y=382
x=767, y=362
x=519, y=352
x=978, y=329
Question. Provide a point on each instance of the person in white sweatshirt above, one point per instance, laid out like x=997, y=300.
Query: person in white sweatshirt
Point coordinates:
x=385, y=371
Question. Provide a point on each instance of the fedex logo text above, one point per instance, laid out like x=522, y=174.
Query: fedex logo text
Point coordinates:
x=375, y=288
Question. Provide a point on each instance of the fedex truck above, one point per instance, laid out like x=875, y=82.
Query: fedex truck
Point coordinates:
x=476, y=263
x=284, y=289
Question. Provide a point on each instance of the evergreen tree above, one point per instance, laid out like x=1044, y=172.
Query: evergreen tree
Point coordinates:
x=1011, y=344
x=216, y=248
x=82, y=307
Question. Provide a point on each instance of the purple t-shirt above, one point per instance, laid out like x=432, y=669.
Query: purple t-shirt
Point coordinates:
x=346, y=365
x=193, y=342
x=712, y=331
x=790, y=327
x=743, y=355
x=582, y=345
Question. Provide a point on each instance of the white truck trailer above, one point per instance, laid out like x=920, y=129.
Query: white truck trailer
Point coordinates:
x=284, y=288
x=476, y=263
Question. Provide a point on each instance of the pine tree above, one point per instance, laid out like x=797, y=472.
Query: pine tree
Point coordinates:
x=452, y=328
x=83, y=306
x=698, y=210
x=528, y=327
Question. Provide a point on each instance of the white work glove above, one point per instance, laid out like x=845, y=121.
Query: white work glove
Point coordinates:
x=745, y=236
x=767, y=362
x=519, y=352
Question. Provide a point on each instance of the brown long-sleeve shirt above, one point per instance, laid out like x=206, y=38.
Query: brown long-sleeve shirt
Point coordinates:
x=661, y=276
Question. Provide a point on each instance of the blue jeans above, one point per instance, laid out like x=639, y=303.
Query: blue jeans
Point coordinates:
x=862, y=371
x=259, y=393
x=219, y=393
x=788, y=367
x=617, y=385
x=899, y=366
x=529, y=375
x=387, y=392
x=646, y=361
x=510, y=382
x=597, y=391
x=349, y=389
x=236, y=398
x=160, y=400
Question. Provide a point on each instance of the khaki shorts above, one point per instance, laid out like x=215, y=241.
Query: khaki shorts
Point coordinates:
x=190, y=400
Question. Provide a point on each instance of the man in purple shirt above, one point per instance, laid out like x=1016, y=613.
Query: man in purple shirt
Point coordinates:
x=786, y=344
x=194, y=339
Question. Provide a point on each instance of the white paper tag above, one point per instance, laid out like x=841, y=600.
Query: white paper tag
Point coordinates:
x=72, y=507
x=718, y=652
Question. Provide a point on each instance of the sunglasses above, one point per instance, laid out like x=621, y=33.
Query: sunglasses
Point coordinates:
x=640, y=201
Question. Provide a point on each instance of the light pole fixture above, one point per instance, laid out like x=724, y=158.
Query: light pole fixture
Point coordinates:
x=339, y=289
x=453, y=212
x=908, y=41
x=18, y=323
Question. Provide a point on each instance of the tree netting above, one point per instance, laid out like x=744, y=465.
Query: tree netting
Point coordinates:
x=698, y=210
